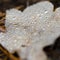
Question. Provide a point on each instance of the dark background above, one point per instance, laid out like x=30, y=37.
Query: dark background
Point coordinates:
x=20, y=5
x=7, y=4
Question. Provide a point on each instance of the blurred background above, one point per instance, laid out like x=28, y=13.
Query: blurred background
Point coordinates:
x=20, y=5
